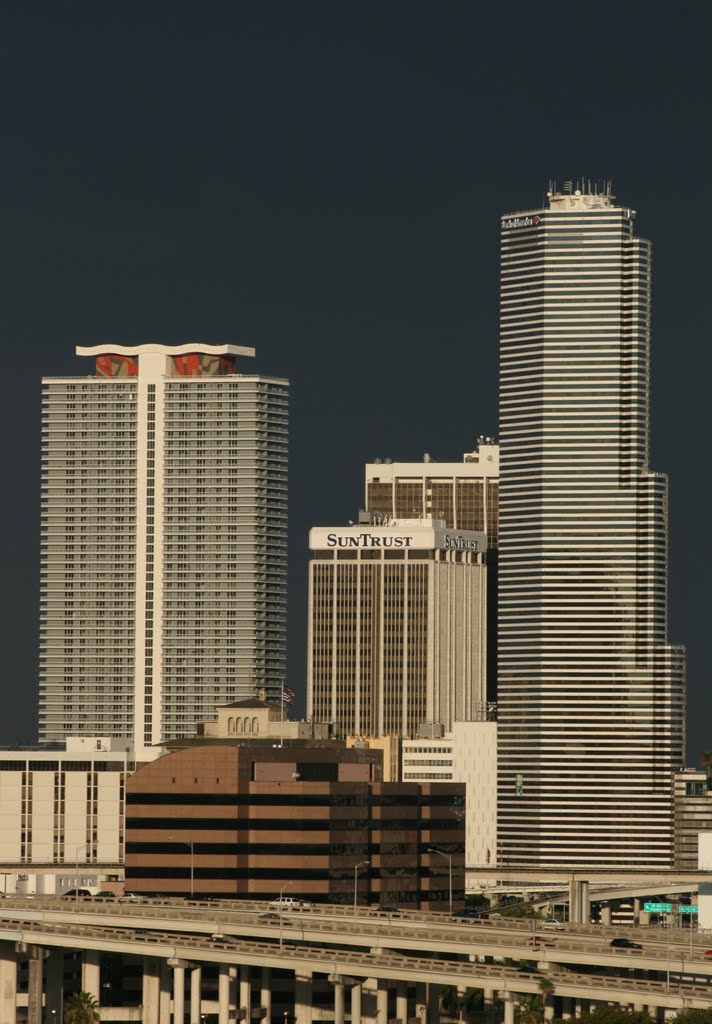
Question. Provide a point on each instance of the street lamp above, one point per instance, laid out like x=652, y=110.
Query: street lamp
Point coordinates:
x=361, y=864
x=431, y=849
x=183, y=842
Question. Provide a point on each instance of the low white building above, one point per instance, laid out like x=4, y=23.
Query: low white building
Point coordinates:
x=62, y=813
x=468, y=754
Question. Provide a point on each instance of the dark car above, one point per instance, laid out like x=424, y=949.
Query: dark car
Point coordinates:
x=466, y=912
x=622, y=943
x=76, y=893
x=386, y=908
x=106, y=894
x=272, y=917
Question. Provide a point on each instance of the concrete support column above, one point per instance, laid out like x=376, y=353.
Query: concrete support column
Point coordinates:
x=245, y=1001
x=585, y=907
x=223, y=994
x=355, y=1004
x=179, y=995
x=151, y=990
x=196, y=982
x=434, y=1004
x=34, y=987
x=488, y=997
x=508, y=1003
x=549, y=1009
x=636, y=910
x=266, y=994
x=338, y=1002
x=8, y=983
x=90, y=972
x=573, y=901
x=382, y=1002
x=303, y=998
x=402, y=1002
x=605, y=915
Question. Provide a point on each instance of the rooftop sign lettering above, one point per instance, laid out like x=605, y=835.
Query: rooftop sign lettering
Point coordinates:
x=520, y=222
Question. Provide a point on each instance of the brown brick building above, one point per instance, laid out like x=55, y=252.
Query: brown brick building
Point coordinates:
x=252, y=819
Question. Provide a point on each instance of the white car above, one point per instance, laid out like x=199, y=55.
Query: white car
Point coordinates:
x=290, y=903
x=551, y=922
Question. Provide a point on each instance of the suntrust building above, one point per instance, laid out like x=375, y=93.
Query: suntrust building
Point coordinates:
x=397, y=617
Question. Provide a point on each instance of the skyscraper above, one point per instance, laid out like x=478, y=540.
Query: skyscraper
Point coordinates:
x=464, y=494
x=164, y=511
x=590, y=691
x=397, y=626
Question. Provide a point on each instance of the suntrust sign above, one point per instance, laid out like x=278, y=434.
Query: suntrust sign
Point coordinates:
x=460, y=543
x=367, y=540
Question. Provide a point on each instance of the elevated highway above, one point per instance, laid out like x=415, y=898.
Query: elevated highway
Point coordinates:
x=373, y=957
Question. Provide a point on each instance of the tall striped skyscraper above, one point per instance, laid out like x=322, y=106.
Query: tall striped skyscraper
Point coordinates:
x=591, y=694
x=164, y=537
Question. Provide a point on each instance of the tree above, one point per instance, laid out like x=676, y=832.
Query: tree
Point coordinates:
x=519, y=910
x=616, y=1015
x=81, y=1008
x=531, y=1009
x=706, y=762
x=693, y=1016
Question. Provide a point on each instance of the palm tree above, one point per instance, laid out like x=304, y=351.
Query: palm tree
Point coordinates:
x=706, y=762
x=81, y=1008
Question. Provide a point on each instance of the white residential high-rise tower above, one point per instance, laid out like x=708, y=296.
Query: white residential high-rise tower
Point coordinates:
x=590, y=692
x=164, y=541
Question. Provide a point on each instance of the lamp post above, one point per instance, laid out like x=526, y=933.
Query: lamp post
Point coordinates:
x=360, y=865
x=431, y=849
x=184, y=842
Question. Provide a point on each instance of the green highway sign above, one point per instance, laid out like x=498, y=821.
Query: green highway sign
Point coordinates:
x=687, y=910
x=658, y=908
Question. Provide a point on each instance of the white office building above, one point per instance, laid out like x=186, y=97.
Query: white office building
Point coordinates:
x=62, y=814
x=590, y=692
x=397, y=626
x=164, y=541
x=467, y=754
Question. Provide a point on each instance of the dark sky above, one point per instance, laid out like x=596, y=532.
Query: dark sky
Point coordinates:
x=324, y=181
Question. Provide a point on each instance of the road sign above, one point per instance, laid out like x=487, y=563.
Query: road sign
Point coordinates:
x=658, y=908
x=687, y=910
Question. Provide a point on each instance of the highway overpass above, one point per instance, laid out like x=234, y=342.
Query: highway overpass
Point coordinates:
x=377, y=967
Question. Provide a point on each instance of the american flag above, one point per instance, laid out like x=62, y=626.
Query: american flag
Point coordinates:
x=288, y=696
